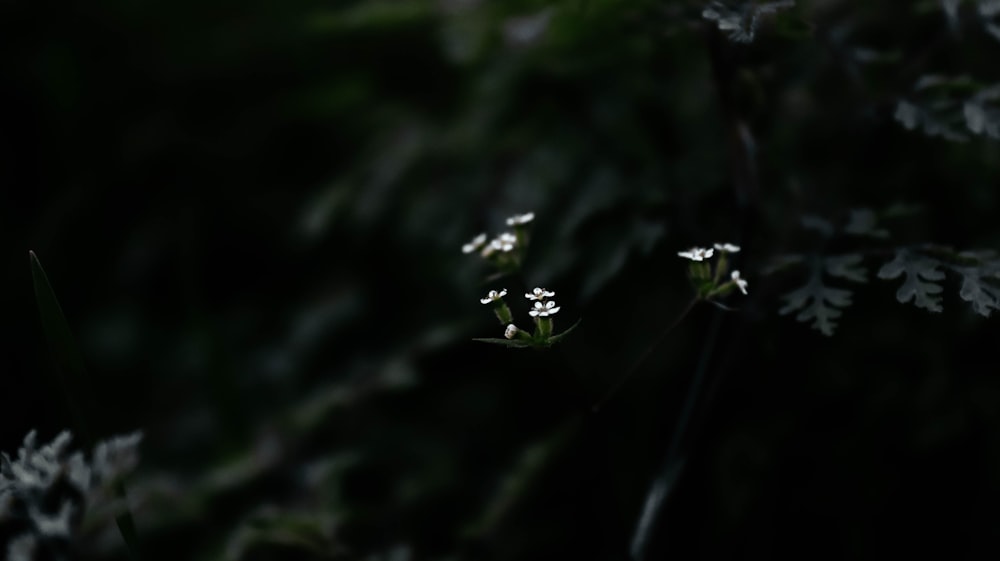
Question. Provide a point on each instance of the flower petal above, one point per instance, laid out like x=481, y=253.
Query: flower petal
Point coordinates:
x=727, y=247
x=694, y=254
x=519, y=219
x=740, y=283
x=476, y=243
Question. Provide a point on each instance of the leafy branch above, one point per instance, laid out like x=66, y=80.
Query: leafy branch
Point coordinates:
x=923, y=269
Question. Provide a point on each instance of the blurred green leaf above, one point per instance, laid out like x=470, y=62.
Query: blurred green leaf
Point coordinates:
x=70, y=368
x=74, y=380
x=561, y=336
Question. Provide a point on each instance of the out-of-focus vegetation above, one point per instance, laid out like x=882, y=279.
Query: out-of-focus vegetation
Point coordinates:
x=252, y=215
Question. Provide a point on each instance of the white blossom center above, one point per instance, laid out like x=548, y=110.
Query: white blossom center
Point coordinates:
x=544, y=309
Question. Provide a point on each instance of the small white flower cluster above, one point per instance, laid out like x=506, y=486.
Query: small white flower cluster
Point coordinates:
x=505, y=244
x=701, y=254
x=697, y=253
x=539, y=294
x=506, y=252
x=542, y=309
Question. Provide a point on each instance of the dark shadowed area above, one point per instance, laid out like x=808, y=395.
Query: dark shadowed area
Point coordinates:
x=252, y=215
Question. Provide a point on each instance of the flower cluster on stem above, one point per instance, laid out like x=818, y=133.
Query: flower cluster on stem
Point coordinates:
x=500, y=309
x=506, y=250
x=542, y=311
x=707, y=276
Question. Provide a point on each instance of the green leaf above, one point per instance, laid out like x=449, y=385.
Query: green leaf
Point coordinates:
x=73, y=379
x=559, y=337
x=69, y=361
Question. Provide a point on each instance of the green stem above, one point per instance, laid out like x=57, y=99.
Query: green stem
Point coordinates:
x=645, y=354
x=544, y=328
x=720, y=267
x=503, y=313
x=673, y=463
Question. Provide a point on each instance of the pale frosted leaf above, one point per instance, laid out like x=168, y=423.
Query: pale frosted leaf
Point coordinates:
x=821, y=225
x=981, y=119
x=781, y=263
x=908, y=114
x=774, y=7
x=847, y=267
x=739, y=22
x=988, y=8
x=920, y=283
x=975, y=117
x=991, y=93
x=22, y=548
x=817, y=302
x=49, y=487
x=527, y=30
x=994, y=30
x=975, y=289
x=863, y=222
x=950, y=8
x=948, y=106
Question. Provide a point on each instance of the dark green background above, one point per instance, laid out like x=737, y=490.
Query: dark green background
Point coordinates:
x=252, y=214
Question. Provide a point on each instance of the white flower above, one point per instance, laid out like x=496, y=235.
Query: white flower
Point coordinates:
x=511, y=331
x=544, y=310
x=727, y=248
x=539, y=294
x=476, y=243
x=697, y=253
x=742, y=284
x=505, y=242
x=493, y=296
x=519, y=219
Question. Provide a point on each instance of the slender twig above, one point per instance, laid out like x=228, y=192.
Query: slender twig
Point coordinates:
x=645, y=354
x=745, y=183
x=674, y=461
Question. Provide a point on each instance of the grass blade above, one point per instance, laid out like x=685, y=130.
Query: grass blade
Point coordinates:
x=74, y=381
x=70, y=369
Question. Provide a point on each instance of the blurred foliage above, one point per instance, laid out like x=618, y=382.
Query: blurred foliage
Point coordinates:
x=252, y=215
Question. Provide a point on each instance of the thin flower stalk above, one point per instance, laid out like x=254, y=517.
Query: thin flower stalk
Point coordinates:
x=500, y=308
